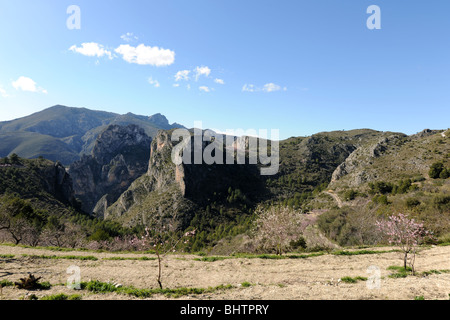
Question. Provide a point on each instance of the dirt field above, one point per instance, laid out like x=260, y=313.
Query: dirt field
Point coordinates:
x=314, y=278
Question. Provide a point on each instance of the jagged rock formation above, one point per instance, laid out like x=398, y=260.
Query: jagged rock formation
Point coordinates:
x=59, y=183
x=120, y=156
x=362, y=157
x=179, y=190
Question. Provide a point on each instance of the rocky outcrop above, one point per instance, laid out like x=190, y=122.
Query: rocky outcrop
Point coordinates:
x=59, y=183
x=353, y=166
x=170, y=189
x=120, y=155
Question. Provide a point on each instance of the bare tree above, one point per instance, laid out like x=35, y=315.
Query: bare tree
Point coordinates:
x=162, y=235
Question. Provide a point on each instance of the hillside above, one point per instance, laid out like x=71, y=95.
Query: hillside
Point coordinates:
x=120, y=155
x=64, y=134
x=348, y=165
x=344, y=179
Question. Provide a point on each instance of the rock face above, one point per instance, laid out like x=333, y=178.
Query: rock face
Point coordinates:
x=362, y=157
x=59, y=183
x=170, y=189
x=120, y=155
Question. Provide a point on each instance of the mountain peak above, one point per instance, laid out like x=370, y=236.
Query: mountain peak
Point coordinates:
x=159, y=120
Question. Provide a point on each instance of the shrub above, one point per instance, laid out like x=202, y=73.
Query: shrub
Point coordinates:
x=445, y=174
x=381, y=199
x=441, y=202
x=412, y=202
x=350, y=195
x=380, y=187
x=435, y=170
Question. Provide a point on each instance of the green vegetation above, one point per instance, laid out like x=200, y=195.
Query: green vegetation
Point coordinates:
x=83, y=258
x=380, y=168
x=353, y=280
x=102, y=287
x=33, y=213
x=131, y=258
x=438, y=171
x=399, y=272
x=6, y=283
x=62, y=296
x=383, y=188
x=361, y=252
x=211, y=259
x=246, y=284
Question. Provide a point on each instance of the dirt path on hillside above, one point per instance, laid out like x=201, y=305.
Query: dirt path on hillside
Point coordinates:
x=288, y=279
x=335, y=197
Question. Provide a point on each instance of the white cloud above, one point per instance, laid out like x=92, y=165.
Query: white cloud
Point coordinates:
x=219, y=81
x=182, y=75
x=91, y=49
x=3, y=93
x=202, y=71
x=204, y=89
x=146, y=55
x=249, y=88
x=129, y=37
x=176, y=85
x=27, y=84
x=269, y=87
x=153, y=82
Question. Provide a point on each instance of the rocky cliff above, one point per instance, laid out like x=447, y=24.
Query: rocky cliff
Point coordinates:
x=180, y=190
x=356, y=165
x=120, y=155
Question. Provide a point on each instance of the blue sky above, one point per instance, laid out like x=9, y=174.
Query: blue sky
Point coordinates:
x=298, y=66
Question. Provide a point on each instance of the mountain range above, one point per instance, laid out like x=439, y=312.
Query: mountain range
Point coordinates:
x=64, y=134
x=119, y=169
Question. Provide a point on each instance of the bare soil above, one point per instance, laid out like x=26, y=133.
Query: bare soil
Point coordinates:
x=314, y=278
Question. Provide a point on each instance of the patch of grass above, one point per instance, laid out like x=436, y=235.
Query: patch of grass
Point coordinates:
x=360, y=252
x=278, y=257
x=246, y=284
x=400, y=272
x=44, y=285
x=62, y=296
x=430, y=272
x=417, y=298
x=6, y=256
x=38, y=247
x=61, y=257
x=130, y=258
x=6, y=283
x=444, y=244
x=102, y=287
x=211, y=259
x=353, y=280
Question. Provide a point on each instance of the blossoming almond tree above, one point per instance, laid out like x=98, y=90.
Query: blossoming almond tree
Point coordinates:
x=405, y=233
x=277, y=227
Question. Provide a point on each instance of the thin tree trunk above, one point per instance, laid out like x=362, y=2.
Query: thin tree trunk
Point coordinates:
x=159, y=270
x=405, y=260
